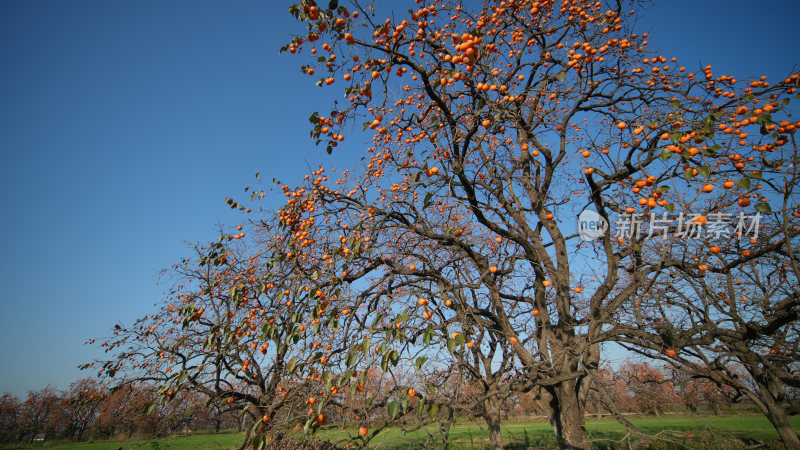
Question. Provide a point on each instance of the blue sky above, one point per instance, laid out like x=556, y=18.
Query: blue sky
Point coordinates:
x=124, y=125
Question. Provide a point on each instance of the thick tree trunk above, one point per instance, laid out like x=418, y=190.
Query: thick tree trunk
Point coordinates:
x=566, y=417
x=780, y=420
x=491, y=408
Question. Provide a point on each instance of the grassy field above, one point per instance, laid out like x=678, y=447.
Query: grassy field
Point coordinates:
x=201, y=441
x=709, y=432
x=683, y=432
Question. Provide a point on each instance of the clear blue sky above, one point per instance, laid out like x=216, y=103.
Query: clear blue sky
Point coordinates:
x=124, y=125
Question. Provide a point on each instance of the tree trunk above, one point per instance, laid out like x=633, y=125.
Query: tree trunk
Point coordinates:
x=491, y=408
x=566, y=417
x=780, y=420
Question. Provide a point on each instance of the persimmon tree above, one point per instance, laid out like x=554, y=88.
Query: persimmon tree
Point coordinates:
x=735, y=323
x=494, y=124
x=412, y=314
x=82, y=403
x=729, y=299
x=244, y=325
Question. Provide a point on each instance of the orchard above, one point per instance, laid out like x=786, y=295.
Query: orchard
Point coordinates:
x=449, y=267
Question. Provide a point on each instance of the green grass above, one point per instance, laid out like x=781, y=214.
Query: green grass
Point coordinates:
x=707, y=432
x=201, y=441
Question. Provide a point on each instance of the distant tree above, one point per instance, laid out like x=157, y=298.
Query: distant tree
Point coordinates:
x=649, y=391
x=10, y=409
x=37, y=414
x=699, y=392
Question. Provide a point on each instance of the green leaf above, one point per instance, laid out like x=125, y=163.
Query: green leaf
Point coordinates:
x=433, y=410
x=258, y=442
x=393, y=409
x=666, y=154
x=451, y=345
x=150, y=408
x=708, y=124
x=385, y=362
x=365, y=346
x=756, y=175
x=352, y=357
x=291, y=365
x=704, y=171
x=255, y=425
x=688, y=173
x=427, y=201
x=561, y=76
x=420, y=361
x=404, y=403
x=670, y=207
x=744, y=183
x=763, y=208
x=309, y=424
x=427, y=337
x=460, y=339
x=327, y=378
